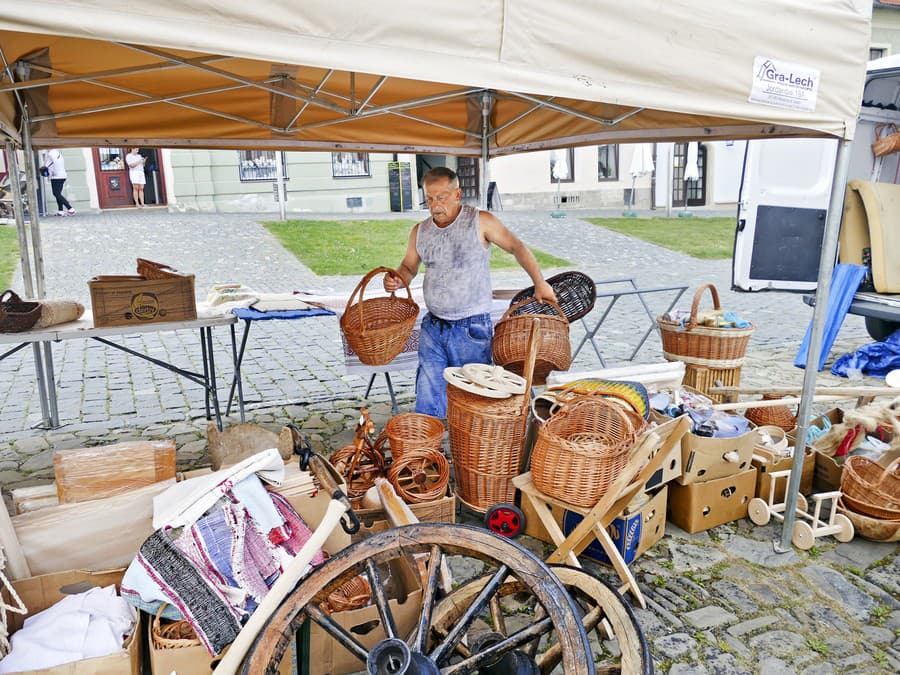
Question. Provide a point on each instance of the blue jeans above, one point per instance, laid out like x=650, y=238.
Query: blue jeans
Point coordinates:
x=448, y=343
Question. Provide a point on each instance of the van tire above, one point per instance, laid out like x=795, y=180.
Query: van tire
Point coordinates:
x=880, y=329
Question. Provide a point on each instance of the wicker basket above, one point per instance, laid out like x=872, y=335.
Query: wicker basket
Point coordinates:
x=777, y=415
x=703, y=379
x=16, y=315
x=351, y=594
x=154, y=270
x=870, y=528
x=378, y=328
x=575, y=292
x=704, y=345
x=174, y=634
x=413, y=431
x=581, y=449
x=872, y=489
x=486, y=442
x=511, y=335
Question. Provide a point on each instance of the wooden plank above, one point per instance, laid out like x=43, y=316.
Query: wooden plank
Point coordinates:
x=16, y=562
x=84, y=474
x=33, y=497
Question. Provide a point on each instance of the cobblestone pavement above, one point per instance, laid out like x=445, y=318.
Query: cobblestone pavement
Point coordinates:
x=718, y=602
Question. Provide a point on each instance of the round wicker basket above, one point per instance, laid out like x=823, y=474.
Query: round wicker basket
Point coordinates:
x=511, y=336
x=172, y=634
x=413, y=431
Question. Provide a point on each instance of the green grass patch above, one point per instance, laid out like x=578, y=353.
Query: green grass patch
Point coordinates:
x=9, y=254
x=705, y=238
x=351, y=247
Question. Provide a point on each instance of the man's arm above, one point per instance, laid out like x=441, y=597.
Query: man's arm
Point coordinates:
x=408, y=268
x=496, y=232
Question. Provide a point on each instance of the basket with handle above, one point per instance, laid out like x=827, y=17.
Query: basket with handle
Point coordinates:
x=707, y=346
x=377, y=328
x=413, y=431
x=775, y=415
x=872, y=489
x=154, y=270
x=575, y=292
x=511, y=335
x=172, y=634
x=581, y=449
x=887, y=139
x=17, y=315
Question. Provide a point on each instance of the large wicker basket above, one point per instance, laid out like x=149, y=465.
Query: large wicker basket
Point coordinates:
x=704, y=345
x=872, y=489
x=378, y=328
x=511, y=335
x=413, y=431
x=581, y=449
x=486, y=442
x=17, y=315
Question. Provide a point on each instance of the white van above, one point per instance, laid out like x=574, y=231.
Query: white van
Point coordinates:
x=785, y=188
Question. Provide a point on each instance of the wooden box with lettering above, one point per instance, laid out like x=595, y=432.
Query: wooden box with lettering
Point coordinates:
x=133, y=300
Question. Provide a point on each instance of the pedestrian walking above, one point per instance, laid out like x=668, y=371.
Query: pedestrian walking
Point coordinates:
x=54, y=168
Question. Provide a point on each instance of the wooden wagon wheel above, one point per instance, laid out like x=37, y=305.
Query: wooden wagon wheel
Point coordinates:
x=600, y=607
x=422, y=653
x=420, y=476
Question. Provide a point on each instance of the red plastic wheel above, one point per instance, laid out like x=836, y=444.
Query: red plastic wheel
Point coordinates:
x=507, y=520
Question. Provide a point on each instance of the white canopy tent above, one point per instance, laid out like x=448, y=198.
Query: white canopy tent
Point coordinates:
x=474, y=77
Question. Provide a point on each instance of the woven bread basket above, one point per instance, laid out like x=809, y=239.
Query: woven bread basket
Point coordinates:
x=377, y=328
x=413, y=431
x=776, y=415
x=511, y=336
x=704, y=345
x=870, y=488
x=870, y=528
x=154, y=270
x=172, y=634
x=581, y=449
x=17, y=315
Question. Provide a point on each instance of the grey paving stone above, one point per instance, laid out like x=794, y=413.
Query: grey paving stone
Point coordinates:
x=834, y=585
x=688, y=669
x=709, y=617
x=779, y=643
x=737, y=597
x=725, y=664
x=674, y=646
x=751, y=625
x=738, y=647
x=765, y=555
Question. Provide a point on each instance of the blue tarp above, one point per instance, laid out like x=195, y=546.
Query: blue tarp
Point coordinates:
x=876, y=359
x=844, y=283
x=249, y=314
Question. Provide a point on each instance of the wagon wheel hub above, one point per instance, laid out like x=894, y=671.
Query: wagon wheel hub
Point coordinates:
x=394, y=657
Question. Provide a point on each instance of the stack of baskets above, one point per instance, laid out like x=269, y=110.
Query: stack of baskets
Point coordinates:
x=870, y=489
x=377, y=328
x=486, y=440
x=710, y=354
x=582, y=448
x=513, y=331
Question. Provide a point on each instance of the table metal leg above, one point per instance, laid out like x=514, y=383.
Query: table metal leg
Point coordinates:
x=51, y=385
x=205, y=358
x=46, y=418
x=212, y=385
x=237, y=357
x=390, y=386
x=371, y=382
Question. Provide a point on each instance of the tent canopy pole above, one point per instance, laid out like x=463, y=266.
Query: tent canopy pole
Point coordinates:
x=823, y=288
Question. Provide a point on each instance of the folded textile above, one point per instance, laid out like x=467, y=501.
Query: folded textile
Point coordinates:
x=267, y=302
x=80, y=626
x=876, y=359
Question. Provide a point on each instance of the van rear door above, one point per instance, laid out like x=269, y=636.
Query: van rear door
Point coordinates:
x=785, y=188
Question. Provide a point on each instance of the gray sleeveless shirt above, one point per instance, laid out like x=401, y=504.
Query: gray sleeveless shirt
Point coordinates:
x=457, y=267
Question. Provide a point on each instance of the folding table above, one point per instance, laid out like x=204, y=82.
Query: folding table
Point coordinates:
x=645, y=458
x=613, y=296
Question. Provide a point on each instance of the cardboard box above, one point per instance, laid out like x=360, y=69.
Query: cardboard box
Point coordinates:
x=632, y=533
x=827, y=471
x=704, y=459
x=700, y=506
x=441, y=510
x=195, y=659
x=324, y=656
x=39, y=593
x=766, y=463
x=134, y=300
x=671, y=468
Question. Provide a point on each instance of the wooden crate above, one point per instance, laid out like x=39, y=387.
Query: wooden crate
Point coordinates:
x=134, y=300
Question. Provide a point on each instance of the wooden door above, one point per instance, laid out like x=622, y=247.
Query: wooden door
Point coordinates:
x=113, y=186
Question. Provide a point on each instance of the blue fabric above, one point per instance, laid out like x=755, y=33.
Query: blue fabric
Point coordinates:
x=844, y=283
x=250, y=314
x=876, y=359
x=448, y=343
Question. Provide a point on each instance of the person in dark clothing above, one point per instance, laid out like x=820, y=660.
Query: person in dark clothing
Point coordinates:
x=56, y=172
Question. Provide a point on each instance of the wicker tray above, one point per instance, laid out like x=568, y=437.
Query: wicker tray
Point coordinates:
x=377, y=329
x=704, y=345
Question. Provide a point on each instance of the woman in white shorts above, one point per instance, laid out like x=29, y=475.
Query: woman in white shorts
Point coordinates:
x=135, y=163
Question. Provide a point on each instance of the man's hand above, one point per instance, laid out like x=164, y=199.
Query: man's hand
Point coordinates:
x=392, y=282
x=544, y=292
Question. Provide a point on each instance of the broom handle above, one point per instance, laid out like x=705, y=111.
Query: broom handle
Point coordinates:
x=529, y=363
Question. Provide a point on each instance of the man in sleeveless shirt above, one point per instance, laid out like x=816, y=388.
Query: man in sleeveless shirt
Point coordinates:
x=455, y=245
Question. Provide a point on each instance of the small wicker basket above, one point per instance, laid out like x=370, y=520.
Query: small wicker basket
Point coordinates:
x=154, y=270
x=413, y=431
x=581, y=449
x=872, y=489
x=172, y=634
x=377, y=329
x=575, y=292
x=511, y=336
x=704, y=345
x=17, y=315
x=776, y=415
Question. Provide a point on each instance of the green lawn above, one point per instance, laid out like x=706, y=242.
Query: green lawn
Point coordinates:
x=706, y=238
x=9, y=255
x=349, y=247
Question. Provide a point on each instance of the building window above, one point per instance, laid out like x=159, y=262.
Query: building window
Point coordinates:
x=562, y=165
x=259, y=165
x=607, y=162
x=111, y=159
x=877, y=53
x=349, y=164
